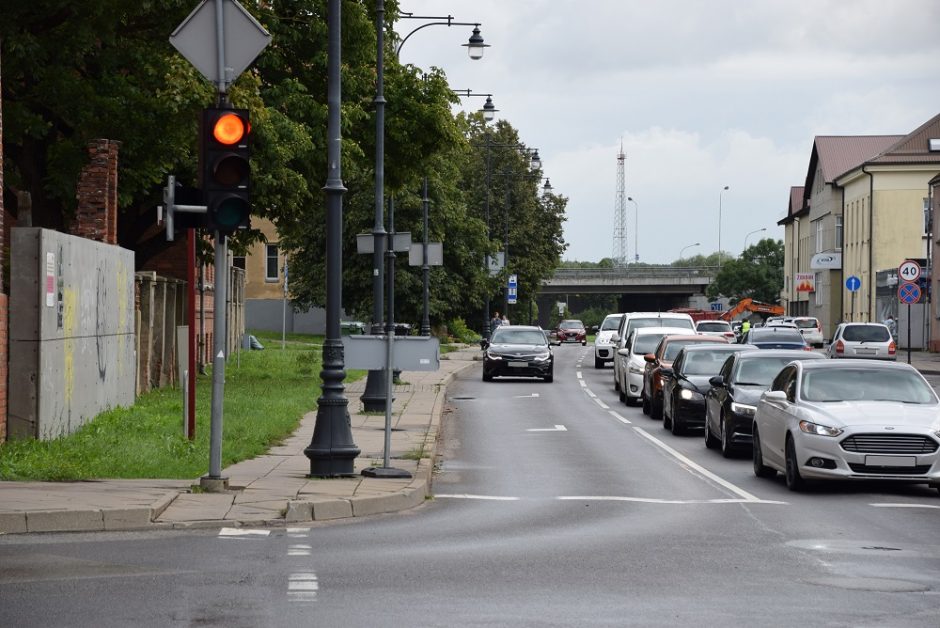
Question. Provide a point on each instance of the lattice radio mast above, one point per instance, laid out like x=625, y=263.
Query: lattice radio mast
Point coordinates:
x=620, y=212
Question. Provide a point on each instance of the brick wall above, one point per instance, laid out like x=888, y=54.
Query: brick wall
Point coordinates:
x=96, y=216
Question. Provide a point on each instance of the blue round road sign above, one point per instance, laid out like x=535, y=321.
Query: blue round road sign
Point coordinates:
x=853, y=283
x=908, y=293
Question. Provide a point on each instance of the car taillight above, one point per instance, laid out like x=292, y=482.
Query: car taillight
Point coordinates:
x=840, y=346
x=892, y=348
x=807, y=348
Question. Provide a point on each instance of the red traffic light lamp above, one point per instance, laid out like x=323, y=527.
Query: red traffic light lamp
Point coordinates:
x=226, y=169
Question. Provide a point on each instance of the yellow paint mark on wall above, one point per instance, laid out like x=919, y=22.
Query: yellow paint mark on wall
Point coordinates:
x=69, y=325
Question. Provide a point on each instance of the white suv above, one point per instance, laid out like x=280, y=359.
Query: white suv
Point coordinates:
x=634, y=320
x=810, y=328
x=603, y=346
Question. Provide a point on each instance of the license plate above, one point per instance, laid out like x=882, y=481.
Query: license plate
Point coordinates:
x=865, y=352
x=890, y=461
x=518, y=365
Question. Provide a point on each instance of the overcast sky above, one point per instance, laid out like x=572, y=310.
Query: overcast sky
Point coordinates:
x=703, y=94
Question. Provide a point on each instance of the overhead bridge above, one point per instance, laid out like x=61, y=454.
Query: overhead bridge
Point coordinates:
x=636, y=288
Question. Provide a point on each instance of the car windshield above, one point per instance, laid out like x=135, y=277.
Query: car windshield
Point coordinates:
x=807, y=323
x=704, y=362
x=517, y=337
x=675, y=346
x=571, y=325
x=646, y=343
x=658, y=321
x=714, y=326
x=860, y=384
x=780, y=335
x=866, y=333
x=611, y=322
x=759, y=371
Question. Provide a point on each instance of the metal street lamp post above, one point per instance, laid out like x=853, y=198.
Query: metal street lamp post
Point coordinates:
x=720, y=192
x=636, y=229
x=374, y=396
x=331, y=451
x=682, y=251
x=488, y=110
x=752, y=233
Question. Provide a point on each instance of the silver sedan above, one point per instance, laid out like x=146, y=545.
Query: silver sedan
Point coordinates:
x=848, y=420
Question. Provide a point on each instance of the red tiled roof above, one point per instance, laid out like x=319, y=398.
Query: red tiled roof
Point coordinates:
x=913, y=148
x=796, y=204
x=838, y=154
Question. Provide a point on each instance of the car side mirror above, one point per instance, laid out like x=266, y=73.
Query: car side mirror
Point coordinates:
x=650, y=358
x=624, y=352
x=717, y=381
x=774, y=395
x=667, y=372
x=484, y=343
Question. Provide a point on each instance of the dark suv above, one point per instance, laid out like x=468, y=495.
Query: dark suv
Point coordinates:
x=517, y=351
x=571, y=331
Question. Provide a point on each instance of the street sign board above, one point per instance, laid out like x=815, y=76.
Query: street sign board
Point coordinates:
x=410, y=353
x=435, y=254
x=715, y=307
x=513, y=281
x=908, y=292
x=853, y=283
x=243, y=39
x=496, y=263
x=909, y=270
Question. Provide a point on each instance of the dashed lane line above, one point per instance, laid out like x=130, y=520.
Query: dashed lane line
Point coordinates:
x=617, y=416
x=932, y=506
x=480, y=497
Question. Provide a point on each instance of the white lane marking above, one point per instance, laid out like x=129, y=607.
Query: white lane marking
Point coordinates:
x=483, y=497
x=579, y=375
x=619, y=418
x=905, y=506
x=601, y=403
x=526, y=396
x=653, y=500
x=302, y=587
x=583, y=383
x=590, y=393
x=241, y=532
x=297, y=533
x=557, y=428
x=697, y=467
x=299, y=550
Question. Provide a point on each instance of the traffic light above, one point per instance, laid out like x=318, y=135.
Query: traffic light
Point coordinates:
x=226, y=169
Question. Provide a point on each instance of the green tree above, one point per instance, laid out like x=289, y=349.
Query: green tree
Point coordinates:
x=757, y=274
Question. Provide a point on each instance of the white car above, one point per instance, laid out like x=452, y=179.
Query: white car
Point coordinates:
x=642, y=341
x=872, y=341
x=848, y=420
x=722, y=329
x=633, y=320
x=811, y=329
x=603, y=345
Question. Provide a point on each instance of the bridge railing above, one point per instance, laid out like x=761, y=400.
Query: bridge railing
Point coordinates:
x=575, y=274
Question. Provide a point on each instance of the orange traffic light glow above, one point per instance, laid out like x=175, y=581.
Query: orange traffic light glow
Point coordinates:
x=229, y=129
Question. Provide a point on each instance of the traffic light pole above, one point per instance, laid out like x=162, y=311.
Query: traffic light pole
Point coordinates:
x=219, y=335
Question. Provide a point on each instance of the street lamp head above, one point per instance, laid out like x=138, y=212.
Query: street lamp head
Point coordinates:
x=475, y=45
x=489, y=110
x=726, y=187
x=630, y=198
x=547, y=188
x=535, y=163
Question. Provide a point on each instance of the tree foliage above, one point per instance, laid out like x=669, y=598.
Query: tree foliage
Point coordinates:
x=757, y=274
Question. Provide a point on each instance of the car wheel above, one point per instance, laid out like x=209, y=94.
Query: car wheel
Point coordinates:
x=677, y=427
x=727, y=450
x=760, y=469
x=795, y=481
x=584, y=343
x=667, y=420
x=616, y=381
x=710, y=441
x=656, y=408
x=487, y=377
x=646, y=405
x=630, y=401
x=549, y=378
x=598, y=363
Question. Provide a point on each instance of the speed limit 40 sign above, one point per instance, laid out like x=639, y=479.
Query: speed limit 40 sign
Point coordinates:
x=909, y=270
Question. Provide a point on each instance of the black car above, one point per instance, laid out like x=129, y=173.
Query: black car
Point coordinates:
x=518, y=351
x=685, y=384
x=776, y=338
x=732, y=399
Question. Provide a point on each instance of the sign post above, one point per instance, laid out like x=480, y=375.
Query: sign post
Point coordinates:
x=852, y=284
x=908, y=292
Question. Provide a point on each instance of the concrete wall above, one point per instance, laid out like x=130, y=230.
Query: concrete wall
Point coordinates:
x=72, y=345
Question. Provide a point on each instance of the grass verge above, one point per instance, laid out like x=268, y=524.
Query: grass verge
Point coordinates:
x=266, y=394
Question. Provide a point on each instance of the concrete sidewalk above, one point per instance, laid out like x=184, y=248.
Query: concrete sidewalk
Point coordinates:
x=269, y=490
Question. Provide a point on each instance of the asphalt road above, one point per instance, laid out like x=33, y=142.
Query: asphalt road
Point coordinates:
x=556, y=505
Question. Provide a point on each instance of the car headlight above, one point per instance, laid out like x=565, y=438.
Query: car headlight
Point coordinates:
x=742, y=408
x=689, y=394
x=493, y=356
x=820, y=430
x=542, y=358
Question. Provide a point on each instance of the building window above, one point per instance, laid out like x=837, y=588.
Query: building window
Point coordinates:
x=838, y=233
x=238, y=261
x=819, y=237
x=270, y=263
